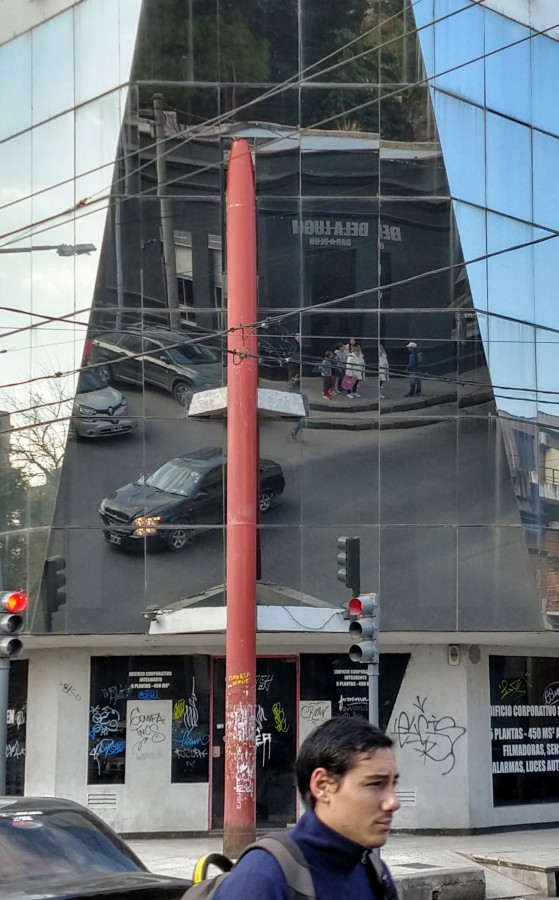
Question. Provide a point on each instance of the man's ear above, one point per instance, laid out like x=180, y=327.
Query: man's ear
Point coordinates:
x=322, y=785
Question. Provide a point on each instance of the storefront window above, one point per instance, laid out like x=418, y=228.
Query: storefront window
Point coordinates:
x=124, y=720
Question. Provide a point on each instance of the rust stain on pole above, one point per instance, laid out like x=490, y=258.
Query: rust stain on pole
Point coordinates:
x=242, y=483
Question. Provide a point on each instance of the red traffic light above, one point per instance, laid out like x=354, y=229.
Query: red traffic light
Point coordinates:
x=364, y=605
x=13, y=602
x=355, y=607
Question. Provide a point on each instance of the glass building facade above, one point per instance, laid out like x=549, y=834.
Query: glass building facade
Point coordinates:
x=402, y=155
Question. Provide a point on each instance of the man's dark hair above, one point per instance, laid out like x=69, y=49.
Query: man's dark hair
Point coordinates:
x=334, y=746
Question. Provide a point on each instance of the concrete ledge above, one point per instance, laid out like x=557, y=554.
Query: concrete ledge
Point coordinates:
x=534, y=869
x=467, y=883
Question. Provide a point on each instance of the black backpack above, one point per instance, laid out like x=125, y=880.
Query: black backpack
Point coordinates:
x=294, y=867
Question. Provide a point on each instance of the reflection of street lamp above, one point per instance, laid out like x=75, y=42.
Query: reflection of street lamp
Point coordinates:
x=61, y=249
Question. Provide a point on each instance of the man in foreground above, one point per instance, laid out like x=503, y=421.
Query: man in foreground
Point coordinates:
x=346, y=775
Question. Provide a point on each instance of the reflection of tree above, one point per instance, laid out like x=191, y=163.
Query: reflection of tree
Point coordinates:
x=38, y=436
x=255, y=42
x=29, y=476
x=205, y=47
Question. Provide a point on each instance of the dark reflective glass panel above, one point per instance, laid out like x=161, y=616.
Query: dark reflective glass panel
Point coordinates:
x=319, y=553
x=491, y=489
x=496, y=586
x=257, y=41
x=177, y=41
x=343, y=107
x=327, y=30
x=277, y=165
x=426, y=449
x=418, y=248
x=418, y=577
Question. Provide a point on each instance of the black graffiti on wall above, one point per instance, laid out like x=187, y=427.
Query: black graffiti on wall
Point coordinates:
x=432, y=737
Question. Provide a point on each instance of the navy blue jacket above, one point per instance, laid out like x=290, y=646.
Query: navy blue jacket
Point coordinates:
x=338, y=871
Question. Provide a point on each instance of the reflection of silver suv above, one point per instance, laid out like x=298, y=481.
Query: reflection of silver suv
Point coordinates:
x=99, y=409
x=158, y=357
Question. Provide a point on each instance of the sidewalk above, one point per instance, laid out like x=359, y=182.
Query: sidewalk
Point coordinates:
x=439, y=397
x=406, y=854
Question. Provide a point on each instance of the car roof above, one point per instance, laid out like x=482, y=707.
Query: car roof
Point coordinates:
x=206, y=458
x=9, y=804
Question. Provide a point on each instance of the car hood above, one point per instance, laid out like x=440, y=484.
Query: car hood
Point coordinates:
x=75, y=886
x=140, y=499
x=100, y=400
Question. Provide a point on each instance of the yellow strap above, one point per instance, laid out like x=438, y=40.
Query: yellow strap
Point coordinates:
x=200, y=869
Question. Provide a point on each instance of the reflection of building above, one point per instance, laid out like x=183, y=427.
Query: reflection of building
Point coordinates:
x=370, y=224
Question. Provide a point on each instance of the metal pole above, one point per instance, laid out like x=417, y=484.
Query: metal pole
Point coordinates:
x=373, y=671
x=166, y=207
x=4, y=685
x=239, y=821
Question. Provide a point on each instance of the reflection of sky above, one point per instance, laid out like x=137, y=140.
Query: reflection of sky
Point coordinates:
x=46, y=77
x=495, y=160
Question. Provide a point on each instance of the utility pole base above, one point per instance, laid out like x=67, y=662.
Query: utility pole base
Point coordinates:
x=236, y=839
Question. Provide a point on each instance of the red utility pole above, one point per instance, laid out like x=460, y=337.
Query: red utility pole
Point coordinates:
x=239, y=821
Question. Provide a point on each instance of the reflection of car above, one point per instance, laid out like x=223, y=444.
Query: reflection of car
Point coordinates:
x=187, y=491
x=51, y=848
x=98, y=409
x=158, y=357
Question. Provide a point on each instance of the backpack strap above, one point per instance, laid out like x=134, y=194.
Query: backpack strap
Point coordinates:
x=291, y=861
x=384, y=885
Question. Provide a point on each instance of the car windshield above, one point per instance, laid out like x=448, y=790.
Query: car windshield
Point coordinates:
x=193, y=354
x=35, y=845
x=88, y=382
x=175, y=477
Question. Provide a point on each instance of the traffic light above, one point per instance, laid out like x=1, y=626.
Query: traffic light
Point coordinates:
x=54, y=586
x=12, y=607
x=349, y=563
x=364, y=625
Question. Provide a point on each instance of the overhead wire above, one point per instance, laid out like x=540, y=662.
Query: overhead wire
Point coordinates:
x=295, y=80
x=355, y=295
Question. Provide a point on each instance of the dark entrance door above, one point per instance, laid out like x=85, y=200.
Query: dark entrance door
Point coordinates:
x=276, y=742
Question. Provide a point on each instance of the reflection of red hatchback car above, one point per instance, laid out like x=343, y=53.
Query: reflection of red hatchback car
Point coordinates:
x=57, y=849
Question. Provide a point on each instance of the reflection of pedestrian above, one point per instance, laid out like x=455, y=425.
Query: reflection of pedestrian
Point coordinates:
x=326, y=372
x=383, y=369
x=355, y=368
x=300, y=423
x=294, y=362
x=341, y=358
x=413, y=370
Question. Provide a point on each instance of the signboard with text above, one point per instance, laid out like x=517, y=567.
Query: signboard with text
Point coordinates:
x=524, y=729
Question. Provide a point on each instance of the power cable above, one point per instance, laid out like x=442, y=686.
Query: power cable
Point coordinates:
x=293, y=81
x=211, y=122
x=265, y=323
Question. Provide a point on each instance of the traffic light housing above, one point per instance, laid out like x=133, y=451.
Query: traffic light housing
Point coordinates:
x=12, y=606
x=349, y=563
x=54, y=586
x=363, y=627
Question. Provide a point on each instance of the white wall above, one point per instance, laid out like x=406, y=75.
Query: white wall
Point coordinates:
x=56, y=755
x=440, y=724
x=17, y=16
x=538, y=14
x=429, y=728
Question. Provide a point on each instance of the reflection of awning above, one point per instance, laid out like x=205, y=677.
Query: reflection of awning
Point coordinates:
x=279, y=403
x=279, y=609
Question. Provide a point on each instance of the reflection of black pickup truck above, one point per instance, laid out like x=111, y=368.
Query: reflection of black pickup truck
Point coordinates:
x=165, y=508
